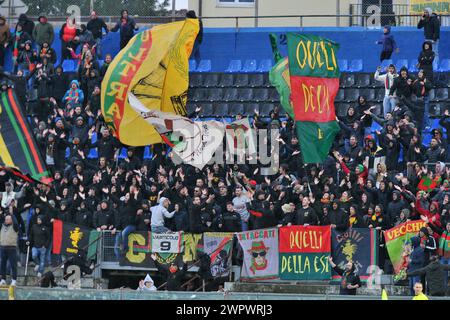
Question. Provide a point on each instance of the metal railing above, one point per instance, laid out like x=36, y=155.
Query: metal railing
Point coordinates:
x=355, y=18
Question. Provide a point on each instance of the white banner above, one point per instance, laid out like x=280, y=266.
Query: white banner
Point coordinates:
x=167, y=242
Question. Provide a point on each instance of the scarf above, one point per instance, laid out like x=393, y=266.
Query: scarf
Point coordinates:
x=16, y=45
x=444, y=245
x=73, y=94
x=353, y=220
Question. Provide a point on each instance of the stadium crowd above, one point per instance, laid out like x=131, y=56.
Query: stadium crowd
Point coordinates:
x=363, y=183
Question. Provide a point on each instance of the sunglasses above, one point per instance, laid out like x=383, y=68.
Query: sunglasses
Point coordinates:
x=261, y=254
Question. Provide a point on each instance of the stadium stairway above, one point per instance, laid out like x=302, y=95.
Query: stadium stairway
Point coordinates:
x=32, y=280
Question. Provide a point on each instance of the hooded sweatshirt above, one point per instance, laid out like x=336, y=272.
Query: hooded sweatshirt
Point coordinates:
x=388, y=41
x=159, y=212
x=145, y=288
x=426, y=58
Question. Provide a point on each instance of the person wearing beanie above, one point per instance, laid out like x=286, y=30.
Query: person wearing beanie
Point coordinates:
x=389, y=44
x=43, y=32
x=431, y=28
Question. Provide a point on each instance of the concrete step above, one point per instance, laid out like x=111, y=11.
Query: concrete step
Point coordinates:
x=57, y=272
x=34, y=281
x=308, y=288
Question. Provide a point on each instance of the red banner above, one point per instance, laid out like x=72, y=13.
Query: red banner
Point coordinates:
x=313, y=98
x=305, y=239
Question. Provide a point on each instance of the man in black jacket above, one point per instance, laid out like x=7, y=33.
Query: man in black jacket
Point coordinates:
x=107, y=145
x=435, y=275
x=431, y=28
x=230, y=220
x=350, y=280
x=173, y=274
x=306, y=215
x=39, y=241
x=96, y=26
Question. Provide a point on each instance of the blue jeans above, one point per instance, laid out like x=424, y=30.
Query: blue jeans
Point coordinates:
x=388, y=104
x=123, y=235
x=445, y=261
x=39, y=255
x=435, y=48
x=244, y=225
x=412, y=281
x=160, y=229
x=8, y=254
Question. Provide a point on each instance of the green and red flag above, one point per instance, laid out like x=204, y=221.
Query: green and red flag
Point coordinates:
x=427, y=184
x=398, y=244
x=19, y=151
x=69, y=239
x=304, y=253
x=314, y=77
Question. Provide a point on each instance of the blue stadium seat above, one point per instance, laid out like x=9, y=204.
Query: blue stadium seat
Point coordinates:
x=265, y=65
x=123, y=153
x=67, y=155
x=250, y=65
x=234, y=66
x=401, y=63
x=69, y=66
x=204, y=66
x=148, y=155
x=100, y=63
x=413, y=66
x=444, y=66
x=426, y=138
x=356, y=65
x=192, y=65
x=343, y=65
x=386, y=64
x=93, y=153
x=375, y=126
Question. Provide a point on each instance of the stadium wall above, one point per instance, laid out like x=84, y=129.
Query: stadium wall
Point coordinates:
x=221, y=45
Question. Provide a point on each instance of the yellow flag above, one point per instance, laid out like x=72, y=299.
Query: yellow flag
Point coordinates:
x=384, y=295
x=154, y=67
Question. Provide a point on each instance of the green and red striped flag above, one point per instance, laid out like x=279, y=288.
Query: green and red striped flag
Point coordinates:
x=427, y=184
x=19, y=151
x=314, y=75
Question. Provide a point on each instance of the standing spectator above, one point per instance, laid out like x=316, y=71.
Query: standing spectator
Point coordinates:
x=350, y=280
x=27, y=24
x=9, y=235
x=443, y=244
x=421, y=87
x=60, y=84
x=127, y=26
x=85, y=36
x=388, y=79
x=47, y=52
x=43, y=32
x=425, y=60
x=5, y=35
x=39, y=241
x=96, y=26
x=27, y=58
x=389, y=44
x=172, y=273
x=435, y=274
x=160, y=212
x=68, y=35
x=240, y=206
x=431, y=28
x=105, y=66
x=19, y=39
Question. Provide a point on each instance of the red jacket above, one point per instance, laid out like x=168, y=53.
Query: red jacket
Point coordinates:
x=423, y=212
x=363, y=174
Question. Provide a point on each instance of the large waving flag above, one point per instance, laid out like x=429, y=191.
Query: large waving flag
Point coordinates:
x=314, y=75
x=19, y=152
x=153, y=66
x=279, y=77
x=194, y=142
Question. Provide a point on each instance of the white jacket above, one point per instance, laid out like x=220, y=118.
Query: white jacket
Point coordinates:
x=387, y=84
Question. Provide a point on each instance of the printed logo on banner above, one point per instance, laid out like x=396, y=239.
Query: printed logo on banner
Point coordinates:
x=260, y=249
x=359, y=245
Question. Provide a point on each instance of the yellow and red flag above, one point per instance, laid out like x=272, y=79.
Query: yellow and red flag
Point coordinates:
x=154, y=67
